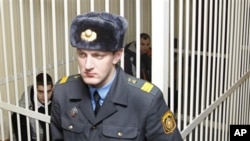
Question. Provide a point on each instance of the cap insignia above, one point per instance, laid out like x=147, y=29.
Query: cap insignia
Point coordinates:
x=88, y=35
x=168, y=122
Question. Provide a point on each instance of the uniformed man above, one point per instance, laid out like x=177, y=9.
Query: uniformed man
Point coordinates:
x=103, y=103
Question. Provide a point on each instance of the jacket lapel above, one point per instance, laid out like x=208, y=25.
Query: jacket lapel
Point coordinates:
x=117, y=95
x=86, y=106
x=81, y=92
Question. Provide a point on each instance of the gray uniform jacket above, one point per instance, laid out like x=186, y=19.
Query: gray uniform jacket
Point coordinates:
x=133, y=110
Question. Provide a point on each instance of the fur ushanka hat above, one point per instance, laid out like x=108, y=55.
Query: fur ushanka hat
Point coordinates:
x=100, y=31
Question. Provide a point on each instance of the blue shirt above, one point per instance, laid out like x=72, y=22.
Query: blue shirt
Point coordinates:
x=103, y=91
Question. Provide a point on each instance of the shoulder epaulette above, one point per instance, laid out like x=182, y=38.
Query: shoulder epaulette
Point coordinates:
x=143, y=85
x=66, y=79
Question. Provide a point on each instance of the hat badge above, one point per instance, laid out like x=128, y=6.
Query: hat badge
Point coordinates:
x=88, y=35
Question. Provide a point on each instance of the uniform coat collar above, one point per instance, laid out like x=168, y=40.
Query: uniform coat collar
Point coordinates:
x=117, y=95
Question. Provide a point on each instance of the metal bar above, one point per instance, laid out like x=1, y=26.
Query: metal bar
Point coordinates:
x=65, y=10
x=193, y=40
x=222, y=69
x=54, y=39
x=25, y=112
x=179, y=60
x=138, y=40
x=204, y=65
x=247, y=50
x=219, y=55
x=171, y=39
x=160, y=40
x=107, y=6
x=1, y=111
x=21, y=15
x=13, y=60
x=122, y=11
x=92, y=5
x=228, y=44
x=32, y=30
x=213, y=67
x=198, y=64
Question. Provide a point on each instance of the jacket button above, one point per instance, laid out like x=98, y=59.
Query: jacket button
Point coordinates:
x=93, y=127
x=119, y=134
x=70, y=127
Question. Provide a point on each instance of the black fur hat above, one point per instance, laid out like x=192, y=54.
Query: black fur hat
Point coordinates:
x=98, y=31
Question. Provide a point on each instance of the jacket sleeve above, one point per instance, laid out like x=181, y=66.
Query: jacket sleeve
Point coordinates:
x=159, y=115
x=55, y=123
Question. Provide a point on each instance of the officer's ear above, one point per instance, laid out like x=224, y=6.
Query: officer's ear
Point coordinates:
x=117, y=56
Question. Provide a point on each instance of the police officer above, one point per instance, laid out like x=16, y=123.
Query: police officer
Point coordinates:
x=103, y=103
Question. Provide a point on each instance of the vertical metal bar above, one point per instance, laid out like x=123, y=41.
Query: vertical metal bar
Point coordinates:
x=237, y=62
x=138, y=40
x=78, y=7
x=248, y=96
x=157, y=24
x=193, y=40
x=44, y=56
x=23, y=57
x=246, y=50
x=241, y=60
x=158, y=40
x=245, y=101
x=172, y=17
x=92, y=5
x=209, y=62
x=230, y=64
x=204, y=56
x=246, y=33
x=230, y=57
x=234, y=64
x=13, y=62
x=54, y=39
x=186, y=93
x=227, y=60
x=198, y=64
x=219, y=57
x=165, y=42
x=66, y=30
x=122, y=10
x=43, y=53
x=213, y=92
x=1, y=111
x=180, y=44
x=32, y=29
x=222, y=70
x=248, y=43
x=107, y=5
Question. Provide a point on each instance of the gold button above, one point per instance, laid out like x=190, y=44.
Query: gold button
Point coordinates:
x=93, y=127
x=88, y=33
x=70, y=127
x=119, y=134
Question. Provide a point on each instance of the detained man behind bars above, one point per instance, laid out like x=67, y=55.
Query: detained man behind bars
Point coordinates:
x=40, y=87
x=103, y=103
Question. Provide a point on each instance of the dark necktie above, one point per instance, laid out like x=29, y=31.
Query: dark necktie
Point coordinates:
x=97, y=104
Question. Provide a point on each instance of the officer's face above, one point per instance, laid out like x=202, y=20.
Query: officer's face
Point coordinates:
x=41, y=93
x=97, y=67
